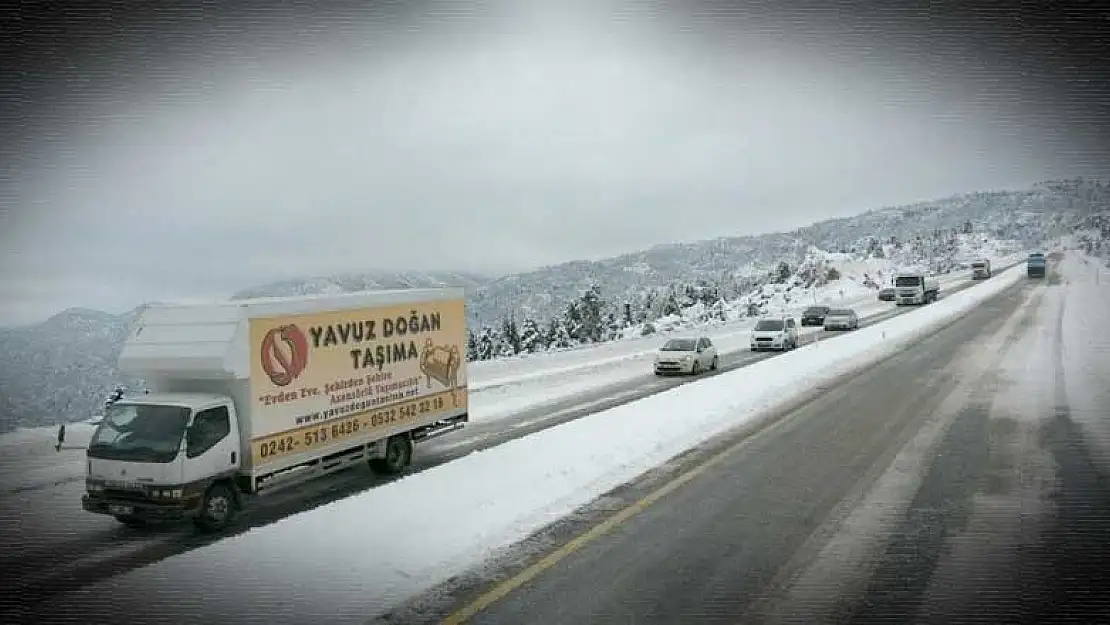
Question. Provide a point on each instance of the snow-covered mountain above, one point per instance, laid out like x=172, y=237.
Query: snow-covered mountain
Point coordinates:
x=62, y=368
x=65, y=365
x=1045, y=211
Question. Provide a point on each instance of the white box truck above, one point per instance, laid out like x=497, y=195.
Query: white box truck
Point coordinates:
x=981, y=269
x=249, y=397
x=914, y=288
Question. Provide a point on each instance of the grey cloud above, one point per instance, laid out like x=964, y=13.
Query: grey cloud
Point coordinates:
x=522, y=144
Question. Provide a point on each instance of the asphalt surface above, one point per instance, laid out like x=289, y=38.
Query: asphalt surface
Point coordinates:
x=944, y=485
x=51, y=546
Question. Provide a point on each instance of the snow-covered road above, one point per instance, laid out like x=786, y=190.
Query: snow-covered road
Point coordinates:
x=354, y=560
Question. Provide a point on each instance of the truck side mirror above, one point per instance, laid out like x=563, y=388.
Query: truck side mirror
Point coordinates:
x=61, y=437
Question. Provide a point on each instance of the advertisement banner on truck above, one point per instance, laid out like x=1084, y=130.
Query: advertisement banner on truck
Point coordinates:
x=320, y=379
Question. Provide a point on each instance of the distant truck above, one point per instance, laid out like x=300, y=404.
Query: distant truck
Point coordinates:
x=914, y=288
x=981, y=269
x=1035, y=265
x=251, y=397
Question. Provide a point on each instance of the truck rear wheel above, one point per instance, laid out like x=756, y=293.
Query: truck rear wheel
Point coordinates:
x=217, y=509
x=398, y=455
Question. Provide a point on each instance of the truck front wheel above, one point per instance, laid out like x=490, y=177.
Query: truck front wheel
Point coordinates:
x=398, y=455
x=217, y=508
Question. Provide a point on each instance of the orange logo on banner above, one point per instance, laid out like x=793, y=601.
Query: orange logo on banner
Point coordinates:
x=284, y=354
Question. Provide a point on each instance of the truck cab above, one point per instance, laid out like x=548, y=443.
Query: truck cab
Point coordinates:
x=981, y=269
x=164, y=456
x=914, y=288
x=1035, y=265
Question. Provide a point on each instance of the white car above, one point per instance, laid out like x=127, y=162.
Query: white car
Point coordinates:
x=686, y=355
x=842, y=319
x=779, y=333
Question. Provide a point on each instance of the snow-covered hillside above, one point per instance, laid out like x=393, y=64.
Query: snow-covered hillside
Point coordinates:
x=61, y=369
x=820, y=277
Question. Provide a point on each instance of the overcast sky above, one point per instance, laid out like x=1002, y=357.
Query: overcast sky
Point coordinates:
x=497, y=140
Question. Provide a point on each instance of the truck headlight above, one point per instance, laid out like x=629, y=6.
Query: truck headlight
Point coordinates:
x=166, y=493
x=93, y=487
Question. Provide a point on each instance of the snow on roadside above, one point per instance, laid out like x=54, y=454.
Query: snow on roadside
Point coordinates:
x=358, y=557
x=1086, y=348
x=28, y=459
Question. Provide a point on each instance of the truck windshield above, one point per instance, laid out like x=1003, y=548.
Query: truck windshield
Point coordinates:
x=139, y=433
x=769, y=325
x=907, y=281
x=679, y=345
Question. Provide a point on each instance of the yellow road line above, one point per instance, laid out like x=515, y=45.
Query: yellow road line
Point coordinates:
x=500, y=591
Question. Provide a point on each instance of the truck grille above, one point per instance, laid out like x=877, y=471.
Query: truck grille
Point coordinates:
x=124, y=495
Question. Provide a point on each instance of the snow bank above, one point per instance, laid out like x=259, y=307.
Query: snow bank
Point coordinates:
x=359, y=556
x=1086, y=348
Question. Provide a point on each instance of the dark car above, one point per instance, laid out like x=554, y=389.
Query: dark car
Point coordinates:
x=814, y=315
x=886, y=294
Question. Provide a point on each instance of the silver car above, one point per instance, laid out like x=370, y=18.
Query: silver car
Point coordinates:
x=686, y=355
x=778, y=333
x=841, y=319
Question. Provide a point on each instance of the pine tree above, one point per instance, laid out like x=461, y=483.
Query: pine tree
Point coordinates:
x=647, y=309
x=558, y=337
x=510, y=337
x=590, y=315
x=486, y=343
x=572, y=322
x=471, y=346
x=531, y=337
x=612, y=327
x=670, y=303
x=783, y=273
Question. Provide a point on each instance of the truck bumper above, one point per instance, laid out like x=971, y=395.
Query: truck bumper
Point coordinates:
x=147, y=511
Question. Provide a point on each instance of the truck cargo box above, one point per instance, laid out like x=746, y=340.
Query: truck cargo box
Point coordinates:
x=311, y=375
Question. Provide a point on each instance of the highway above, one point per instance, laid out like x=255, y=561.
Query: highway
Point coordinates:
x=50, y=545
x=949, y=484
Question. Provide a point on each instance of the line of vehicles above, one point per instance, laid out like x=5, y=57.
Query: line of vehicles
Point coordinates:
x=780, y=333
x=692, y=356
